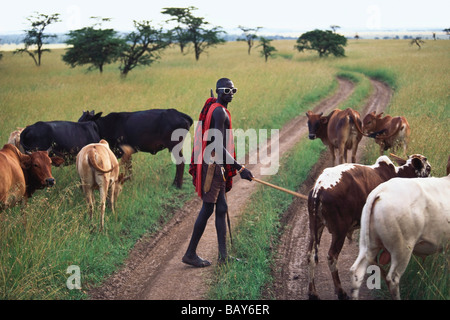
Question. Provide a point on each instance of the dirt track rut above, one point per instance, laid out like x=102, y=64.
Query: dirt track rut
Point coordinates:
x=154, y=270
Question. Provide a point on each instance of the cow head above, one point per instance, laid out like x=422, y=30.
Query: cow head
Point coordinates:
x=370, y=122
x=316, y=123
x=89, y=116
x=416, y=165
x=38, y=167
x=119, y=184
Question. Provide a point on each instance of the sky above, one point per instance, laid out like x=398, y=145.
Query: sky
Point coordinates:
x=279, y=16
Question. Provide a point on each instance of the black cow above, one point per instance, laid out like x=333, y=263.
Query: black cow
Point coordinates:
x=146, y=131
x=61, y=138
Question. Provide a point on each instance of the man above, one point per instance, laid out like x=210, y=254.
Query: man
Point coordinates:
x=213, y=165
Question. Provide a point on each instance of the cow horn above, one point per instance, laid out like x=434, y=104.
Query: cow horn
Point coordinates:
x=397, y=157
x=212, y=94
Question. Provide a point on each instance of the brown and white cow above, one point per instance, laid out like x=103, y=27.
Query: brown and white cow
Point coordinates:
x=402, y=217
x=388, y=132
x=22, y=174
x=337, y=199
x=340, y=130
x=98, y=168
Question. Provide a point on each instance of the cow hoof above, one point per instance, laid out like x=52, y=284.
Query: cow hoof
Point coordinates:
x=313, y=296
x=343, y=296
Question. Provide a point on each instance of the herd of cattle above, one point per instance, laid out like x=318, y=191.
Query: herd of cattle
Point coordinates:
x=397, y=216
x=401, y=216
x=95, y=143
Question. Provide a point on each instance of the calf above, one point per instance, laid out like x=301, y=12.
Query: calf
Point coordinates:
x=402, y=217
x=388, y=132
x=22, y=174
x=337, y=199
x=98, y=168
x=340, y=130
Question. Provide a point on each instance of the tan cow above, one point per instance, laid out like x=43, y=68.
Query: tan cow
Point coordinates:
x=98, y=168
x=340, y=130
x=22, y=174
x=388, y=132
x=14, y=139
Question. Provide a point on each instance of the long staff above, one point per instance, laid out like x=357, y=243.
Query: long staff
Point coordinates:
x=299, y=195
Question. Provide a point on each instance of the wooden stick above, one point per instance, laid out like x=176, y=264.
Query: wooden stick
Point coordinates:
x=282, y=189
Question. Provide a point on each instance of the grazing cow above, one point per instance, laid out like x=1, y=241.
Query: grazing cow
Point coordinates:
x=14, y=139
x=98, y=168
x=402, y=217
x=340, y=130
x=62, y=138
x=22, y=174
x=146, y=131
x=388, y=132
x=337, y=199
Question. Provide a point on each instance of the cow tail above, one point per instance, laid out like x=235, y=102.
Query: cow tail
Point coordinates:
x=93, y=162
x=366, y=218
x=356, y=120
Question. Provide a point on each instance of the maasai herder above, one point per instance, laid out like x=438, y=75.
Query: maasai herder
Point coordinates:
x=213, y=165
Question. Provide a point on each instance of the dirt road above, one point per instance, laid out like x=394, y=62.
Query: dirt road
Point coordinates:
x=154, y=269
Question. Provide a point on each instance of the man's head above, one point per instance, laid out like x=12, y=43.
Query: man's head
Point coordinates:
x=225, y=90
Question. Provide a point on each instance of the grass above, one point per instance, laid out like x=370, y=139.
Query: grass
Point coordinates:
x=38, y=242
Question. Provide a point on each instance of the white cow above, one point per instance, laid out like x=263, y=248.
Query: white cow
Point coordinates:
x=402, y=216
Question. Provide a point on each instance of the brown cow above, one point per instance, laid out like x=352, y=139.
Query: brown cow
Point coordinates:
x=22, y=174
x=340, y=130
x=99, y=169
x=337, y=199
x=389, y=132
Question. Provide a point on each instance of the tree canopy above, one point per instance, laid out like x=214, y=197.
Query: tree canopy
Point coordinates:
x=324, y=42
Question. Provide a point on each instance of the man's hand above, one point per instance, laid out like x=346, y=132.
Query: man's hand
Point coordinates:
x=246, y=174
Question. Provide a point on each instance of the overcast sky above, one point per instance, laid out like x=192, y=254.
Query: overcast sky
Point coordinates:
x=276, y=15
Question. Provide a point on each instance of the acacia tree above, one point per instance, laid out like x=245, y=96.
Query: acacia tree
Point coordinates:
x=94, y=46
x=249, y=36
x=179, y=34
x=267, y=50
x=142, y=46
x=197, y=32
x=36, y=37
x=324, y=42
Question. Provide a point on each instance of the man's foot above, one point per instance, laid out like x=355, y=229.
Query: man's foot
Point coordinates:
x=196, y=261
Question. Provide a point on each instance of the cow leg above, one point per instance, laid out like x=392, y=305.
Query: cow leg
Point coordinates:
x=337, y=242
x=178, y=181
x=313, y=257
x=89, y=196
x=399, y=262
x=333, y=156
x=103, y=192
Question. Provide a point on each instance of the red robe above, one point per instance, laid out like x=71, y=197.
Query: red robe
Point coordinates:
x=200, y=140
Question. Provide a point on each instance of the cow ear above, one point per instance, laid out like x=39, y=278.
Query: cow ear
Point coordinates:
x=379, y=115
x=417, y=164
x=25, y=161
x=97, y=116
x=324, y=120
x=57, y=161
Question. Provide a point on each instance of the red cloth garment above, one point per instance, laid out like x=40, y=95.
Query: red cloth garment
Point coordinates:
x=200, y=141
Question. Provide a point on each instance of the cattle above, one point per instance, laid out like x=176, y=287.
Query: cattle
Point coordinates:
x=402, y=217
x=388, y=132
x=146, y=131
x=98, y=168
x=340, y=130
x=337, y=199
x=22, y=174
x=14, y=139
x=61, y=138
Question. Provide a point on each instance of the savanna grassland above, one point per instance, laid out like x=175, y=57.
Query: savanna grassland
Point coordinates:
x=39, y=241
